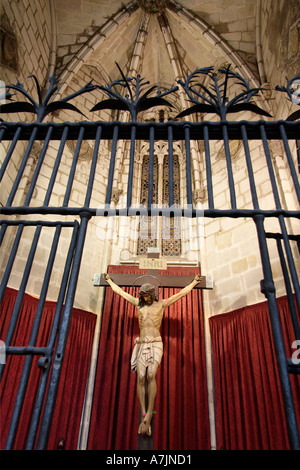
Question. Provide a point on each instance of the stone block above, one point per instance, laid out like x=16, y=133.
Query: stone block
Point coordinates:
x=243, y=232
x=224, y=240
x=264, y=189
x=211, y=228
x=239, y=266
x=233, y=36
x=41, y=256
x=247, y=11
x=26, y=40
x=251, y=280
x=240, y=25
x=17, y=11
x=248, y=47
x=252, y=261
x=70, y=5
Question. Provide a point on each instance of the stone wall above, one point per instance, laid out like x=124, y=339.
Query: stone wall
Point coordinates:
x=30, y=24
x=280, y=26
x=25, y=42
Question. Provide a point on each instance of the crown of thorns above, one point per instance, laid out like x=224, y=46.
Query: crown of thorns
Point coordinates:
x=147, y=289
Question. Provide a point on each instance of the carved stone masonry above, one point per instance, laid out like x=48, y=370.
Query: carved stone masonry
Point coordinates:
x=116, y=193
x=153, y=6
x=199, y=196
x=8, y=44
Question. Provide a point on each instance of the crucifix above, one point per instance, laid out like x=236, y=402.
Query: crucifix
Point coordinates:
x=148, y=349
x=153, y=265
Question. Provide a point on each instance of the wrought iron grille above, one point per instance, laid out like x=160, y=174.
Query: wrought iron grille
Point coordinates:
x=134, y=95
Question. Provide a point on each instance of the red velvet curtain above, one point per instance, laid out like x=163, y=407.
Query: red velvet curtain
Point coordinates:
x=70, y=398
x=248, y=401
x=181, y=421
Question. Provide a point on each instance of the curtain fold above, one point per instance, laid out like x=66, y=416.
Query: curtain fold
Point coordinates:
x=248, y=401
x=70, y=398
x=181, y=420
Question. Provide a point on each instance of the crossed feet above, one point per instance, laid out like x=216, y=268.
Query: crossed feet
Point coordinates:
x=145, y=427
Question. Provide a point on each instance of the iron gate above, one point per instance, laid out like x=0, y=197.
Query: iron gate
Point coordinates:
x=22, y=215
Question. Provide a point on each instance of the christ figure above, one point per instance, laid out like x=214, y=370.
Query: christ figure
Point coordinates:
x=148, y=349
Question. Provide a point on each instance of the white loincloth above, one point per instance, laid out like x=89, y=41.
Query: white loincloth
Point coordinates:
x=146, y=351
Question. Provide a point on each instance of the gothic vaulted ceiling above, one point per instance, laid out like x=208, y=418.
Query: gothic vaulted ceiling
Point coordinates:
x=160, y=40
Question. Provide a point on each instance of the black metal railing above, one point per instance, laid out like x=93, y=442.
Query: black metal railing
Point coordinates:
x=206, y=131
x=137, y=99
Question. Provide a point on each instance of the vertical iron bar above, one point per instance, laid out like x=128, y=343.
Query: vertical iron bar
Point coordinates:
x=229, y=167
x=281, y=218
x=20, y=172
x=33, y=336
x=2, y=131
x=290, y=160
x=73, y=168
x=290, y=259
x=62, y=337
x=2, y=232
x=151, y=167
x=269, y=291
x=189, y=191
x=18, y=303
x=289, y=292
x=249, y=167
x=170, y=164
x=56, y=165
x=111, y=166
x=208, y=168
x=31, y=435
x=93, y=167
x=131, y=166
x=10, y=152
x=22, y=167
x=270, y=166
x=11, y=260
x=38, y=167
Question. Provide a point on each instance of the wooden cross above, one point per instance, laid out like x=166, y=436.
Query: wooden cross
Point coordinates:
x=153, y=264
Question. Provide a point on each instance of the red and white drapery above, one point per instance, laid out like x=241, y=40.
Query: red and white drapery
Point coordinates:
x=70, y=397
x=248, y=400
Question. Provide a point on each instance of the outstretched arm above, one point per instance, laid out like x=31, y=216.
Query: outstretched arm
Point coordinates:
x=121, y=292
x=182, y=293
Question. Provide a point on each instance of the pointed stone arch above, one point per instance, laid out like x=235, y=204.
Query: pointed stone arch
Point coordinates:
x=189, y=20
x=95, y=42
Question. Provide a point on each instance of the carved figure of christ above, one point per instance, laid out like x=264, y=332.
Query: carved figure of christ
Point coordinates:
x=148, y=350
